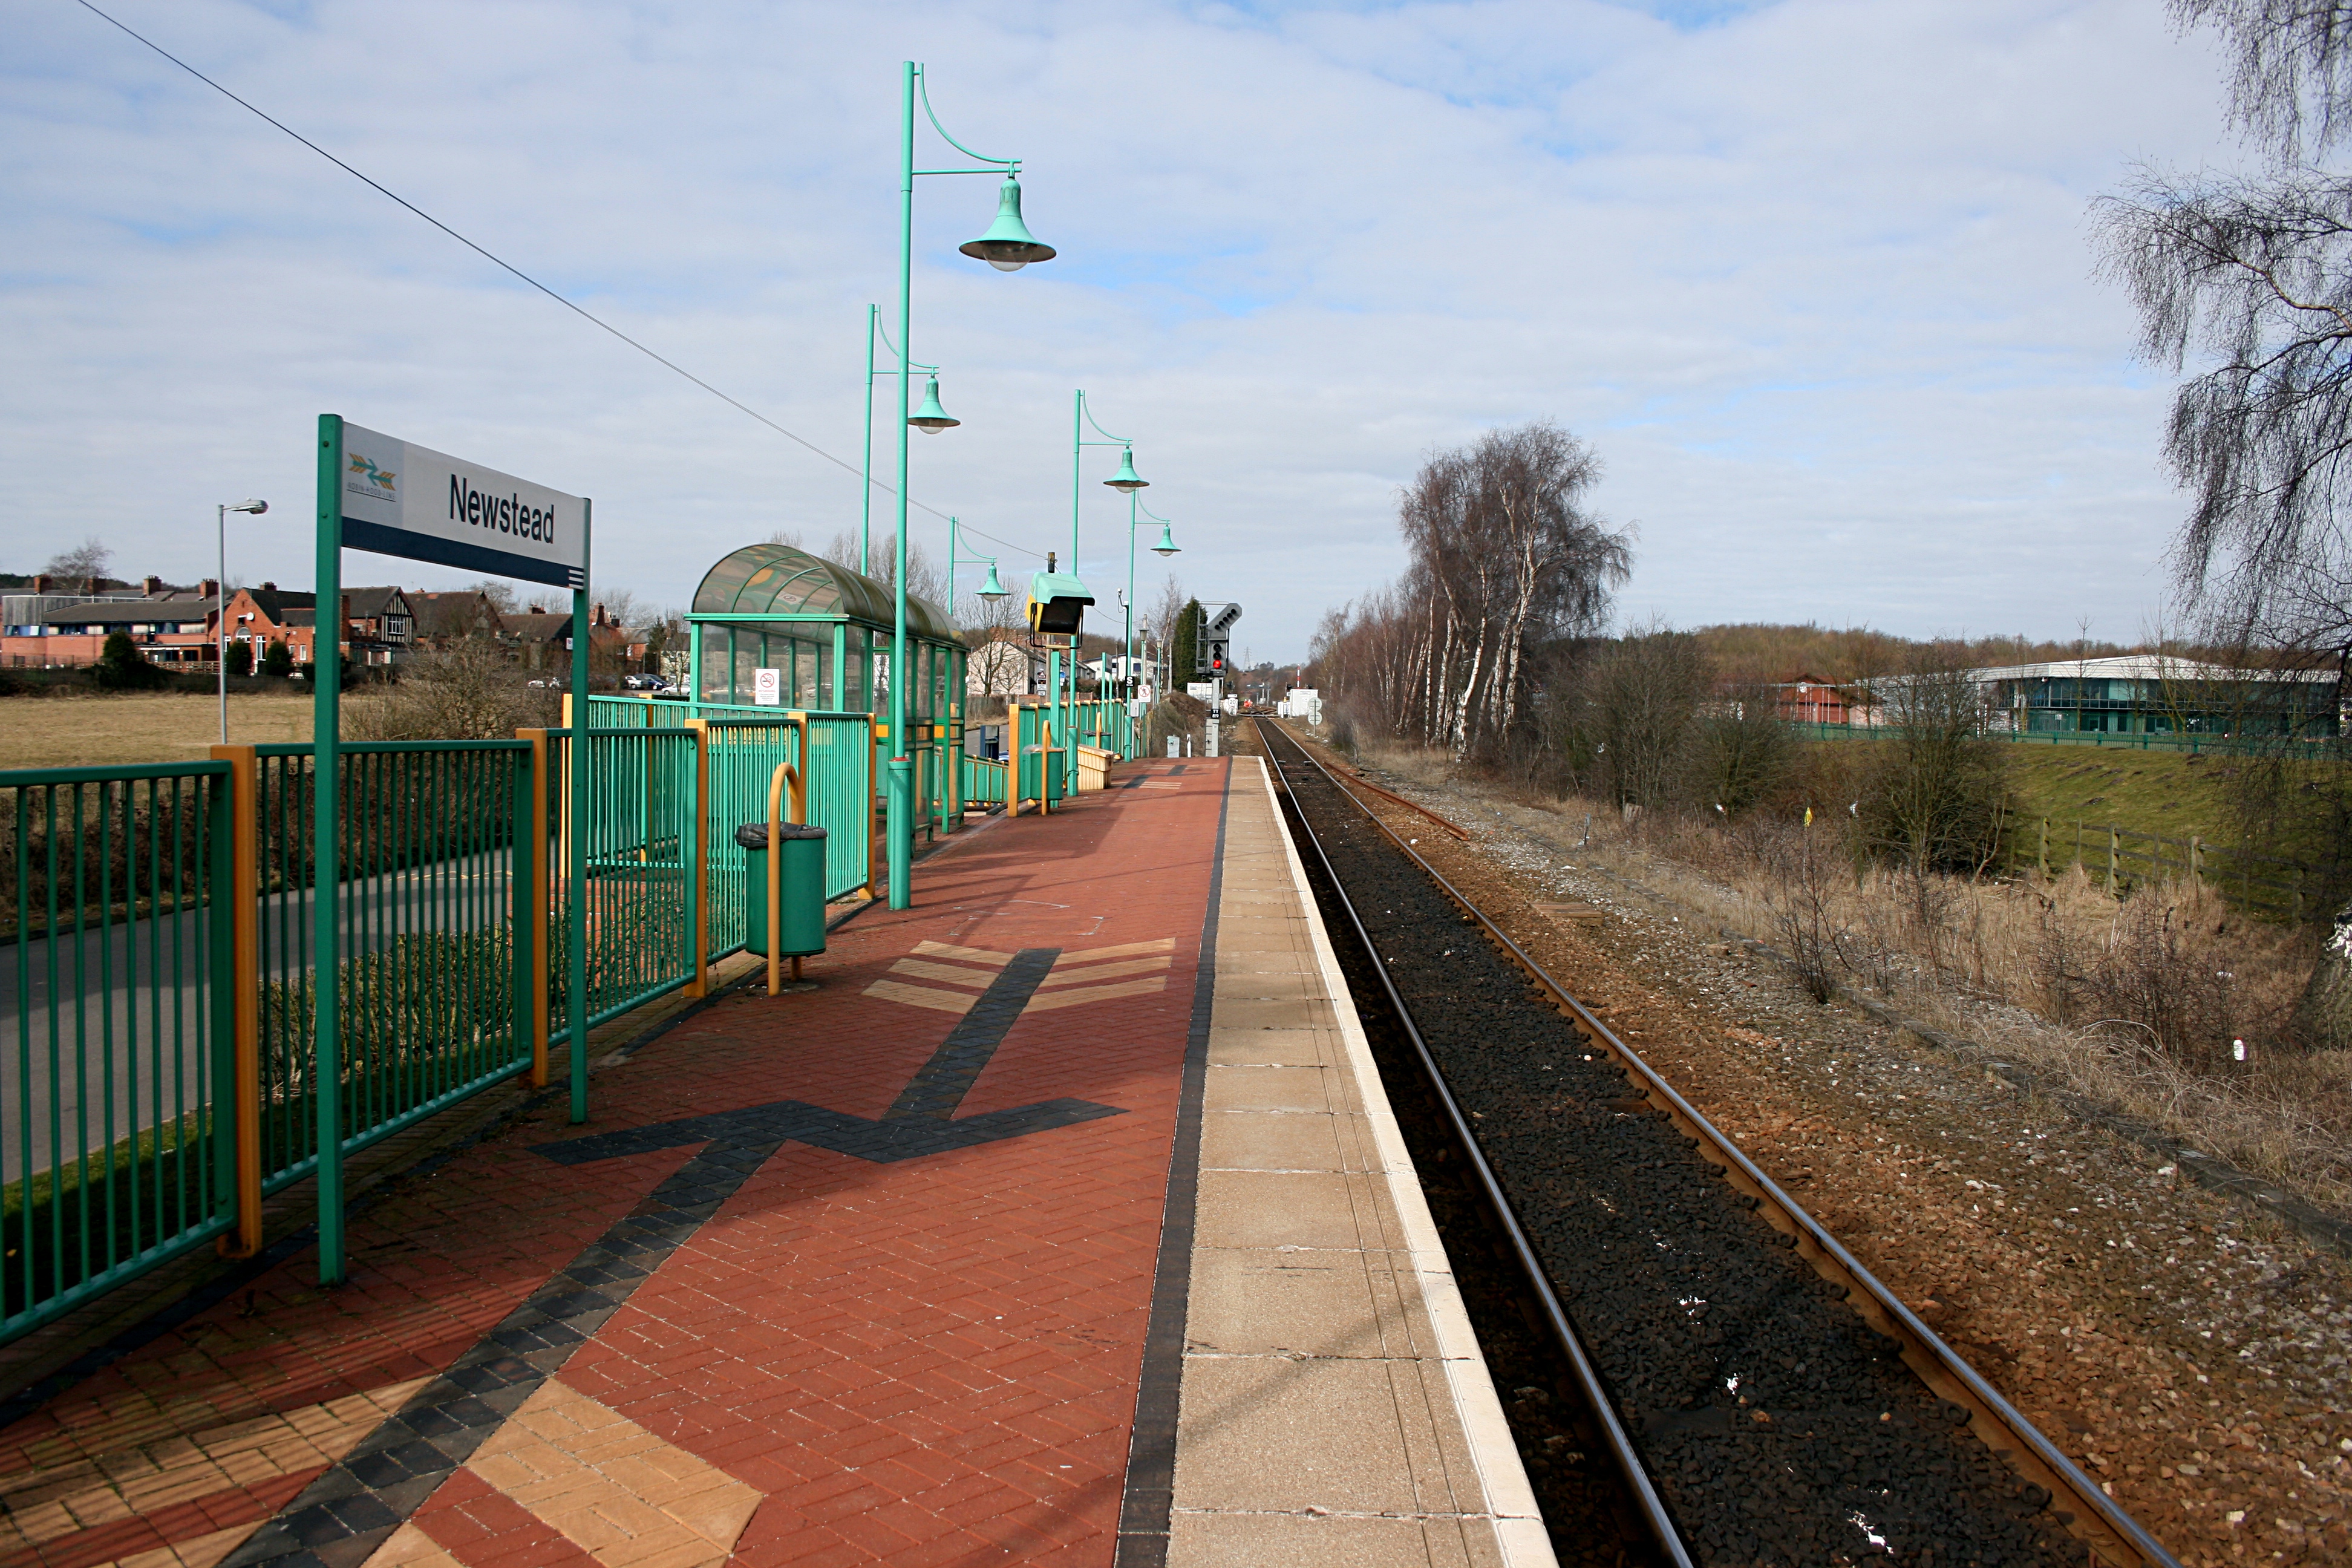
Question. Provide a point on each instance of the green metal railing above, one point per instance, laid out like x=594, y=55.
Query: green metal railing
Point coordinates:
x=644, y=851
x=838, y=773
x=113, y=1148
x=435, y=973
x=158, y=966
x=652, y=712
x=841, y=786
x=1103, y=722
x=984, y=781
x=749, y=741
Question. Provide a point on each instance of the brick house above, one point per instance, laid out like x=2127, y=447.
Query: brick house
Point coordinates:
x=542, y=640
x=267, y=615
x=57, y=625
x=379, y=622
x=381, y=625
x=441, y=619
x=1806, y=699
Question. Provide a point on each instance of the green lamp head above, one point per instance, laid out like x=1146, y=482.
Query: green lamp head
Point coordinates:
x=1167, y=545
x=930, y=419
x=1008, y=245
x=992, y=589
x=1127, y=479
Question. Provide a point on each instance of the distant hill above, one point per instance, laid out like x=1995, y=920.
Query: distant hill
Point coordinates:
x=1757, y=652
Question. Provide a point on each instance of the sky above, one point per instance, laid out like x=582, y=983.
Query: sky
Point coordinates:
x=1815, y=278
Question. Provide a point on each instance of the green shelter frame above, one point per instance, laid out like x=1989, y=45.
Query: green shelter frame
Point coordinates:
x=828, y=631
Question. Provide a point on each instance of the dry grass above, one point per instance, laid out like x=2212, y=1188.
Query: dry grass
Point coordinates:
x=469, y=692
x=2133, y=1002
x=97, y=729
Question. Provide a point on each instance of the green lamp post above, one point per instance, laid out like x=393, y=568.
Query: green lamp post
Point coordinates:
x=930, y=419
x=990, y=590
x=1008, y=245
x=1137, y=514
x=1127, y=481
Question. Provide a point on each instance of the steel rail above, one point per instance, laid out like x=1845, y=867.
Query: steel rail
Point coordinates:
x=2099, y=1521
x=1588, y=1377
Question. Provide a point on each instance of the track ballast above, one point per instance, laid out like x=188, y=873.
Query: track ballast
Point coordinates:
x=1774, y=1423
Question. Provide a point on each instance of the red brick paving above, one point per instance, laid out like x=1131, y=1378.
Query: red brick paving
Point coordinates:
x=481, y=1525
x=925, y=1362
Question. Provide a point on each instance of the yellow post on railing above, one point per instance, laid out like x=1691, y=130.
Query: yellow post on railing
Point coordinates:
x=245, y=967
x=877, y=865
x=532, y=901
x=701, y=985
x=1046, y=766
x=774, y=892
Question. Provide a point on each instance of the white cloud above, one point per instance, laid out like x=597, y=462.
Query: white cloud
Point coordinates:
x=1813, y=276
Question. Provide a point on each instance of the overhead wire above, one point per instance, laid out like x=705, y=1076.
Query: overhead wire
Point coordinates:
x=500, y=262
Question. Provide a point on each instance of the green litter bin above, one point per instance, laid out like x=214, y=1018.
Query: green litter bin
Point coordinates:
x=802, y=887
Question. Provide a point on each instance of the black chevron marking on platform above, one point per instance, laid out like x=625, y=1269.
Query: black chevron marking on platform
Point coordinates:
x=340, y=1520
x=920, y=1121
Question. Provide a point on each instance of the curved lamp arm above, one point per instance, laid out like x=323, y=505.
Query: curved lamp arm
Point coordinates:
x=885, y=333
x=996, y=165
x=1087, y=414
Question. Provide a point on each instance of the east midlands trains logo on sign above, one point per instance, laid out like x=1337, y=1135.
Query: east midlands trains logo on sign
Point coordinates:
x=408, y=501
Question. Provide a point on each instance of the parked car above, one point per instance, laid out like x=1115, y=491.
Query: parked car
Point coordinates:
x=645, y=683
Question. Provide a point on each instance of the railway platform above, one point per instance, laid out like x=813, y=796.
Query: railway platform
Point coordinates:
x=1062, y=1220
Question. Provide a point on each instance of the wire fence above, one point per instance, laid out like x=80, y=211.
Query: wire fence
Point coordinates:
x=2123, y=859
x=2145, y=740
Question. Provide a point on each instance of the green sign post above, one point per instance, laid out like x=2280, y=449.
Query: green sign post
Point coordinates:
x=379, y=493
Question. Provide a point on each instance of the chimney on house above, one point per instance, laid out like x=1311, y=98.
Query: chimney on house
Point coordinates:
x=596, y=615
x=150, y=587
x=42, y=583
x=208, y=589
x=94, y=585
x=269, y=588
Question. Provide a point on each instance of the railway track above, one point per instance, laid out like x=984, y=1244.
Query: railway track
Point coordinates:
x=1756, y=1395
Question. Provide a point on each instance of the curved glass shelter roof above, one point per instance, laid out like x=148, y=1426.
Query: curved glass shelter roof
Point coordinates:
x=763, y=584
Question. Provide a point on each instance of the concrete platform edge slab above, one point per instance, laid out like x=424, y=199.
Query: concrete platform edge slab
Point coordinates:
x=1248, y=1459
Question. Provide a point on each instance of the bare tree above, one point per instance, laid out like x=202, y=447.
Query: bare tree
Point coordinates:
x=622, y=605
x=926, y=579
x=2291, y=82
x=1504, y=558
x=1646, y=698
x=85, y=562
x=1937, y=800
x=1167, y=610
x=2251, y=276
x=498, y=590
x=991, y=620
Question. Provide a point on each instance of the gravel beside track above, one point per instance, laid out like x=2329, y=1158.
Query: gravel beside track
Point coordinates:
x=1778, y=1426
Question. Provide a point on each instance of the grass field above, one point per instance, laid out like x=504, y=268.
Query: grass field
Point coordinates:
x=89, y=730
x=2169, y=793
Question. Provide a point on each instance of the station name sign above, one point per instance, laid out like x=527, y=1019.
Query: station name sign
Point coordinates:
x=400, y=498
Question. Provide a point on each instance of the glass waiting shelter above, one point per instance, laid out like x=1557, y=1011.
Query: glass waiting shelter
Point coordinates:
x=825, y=630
